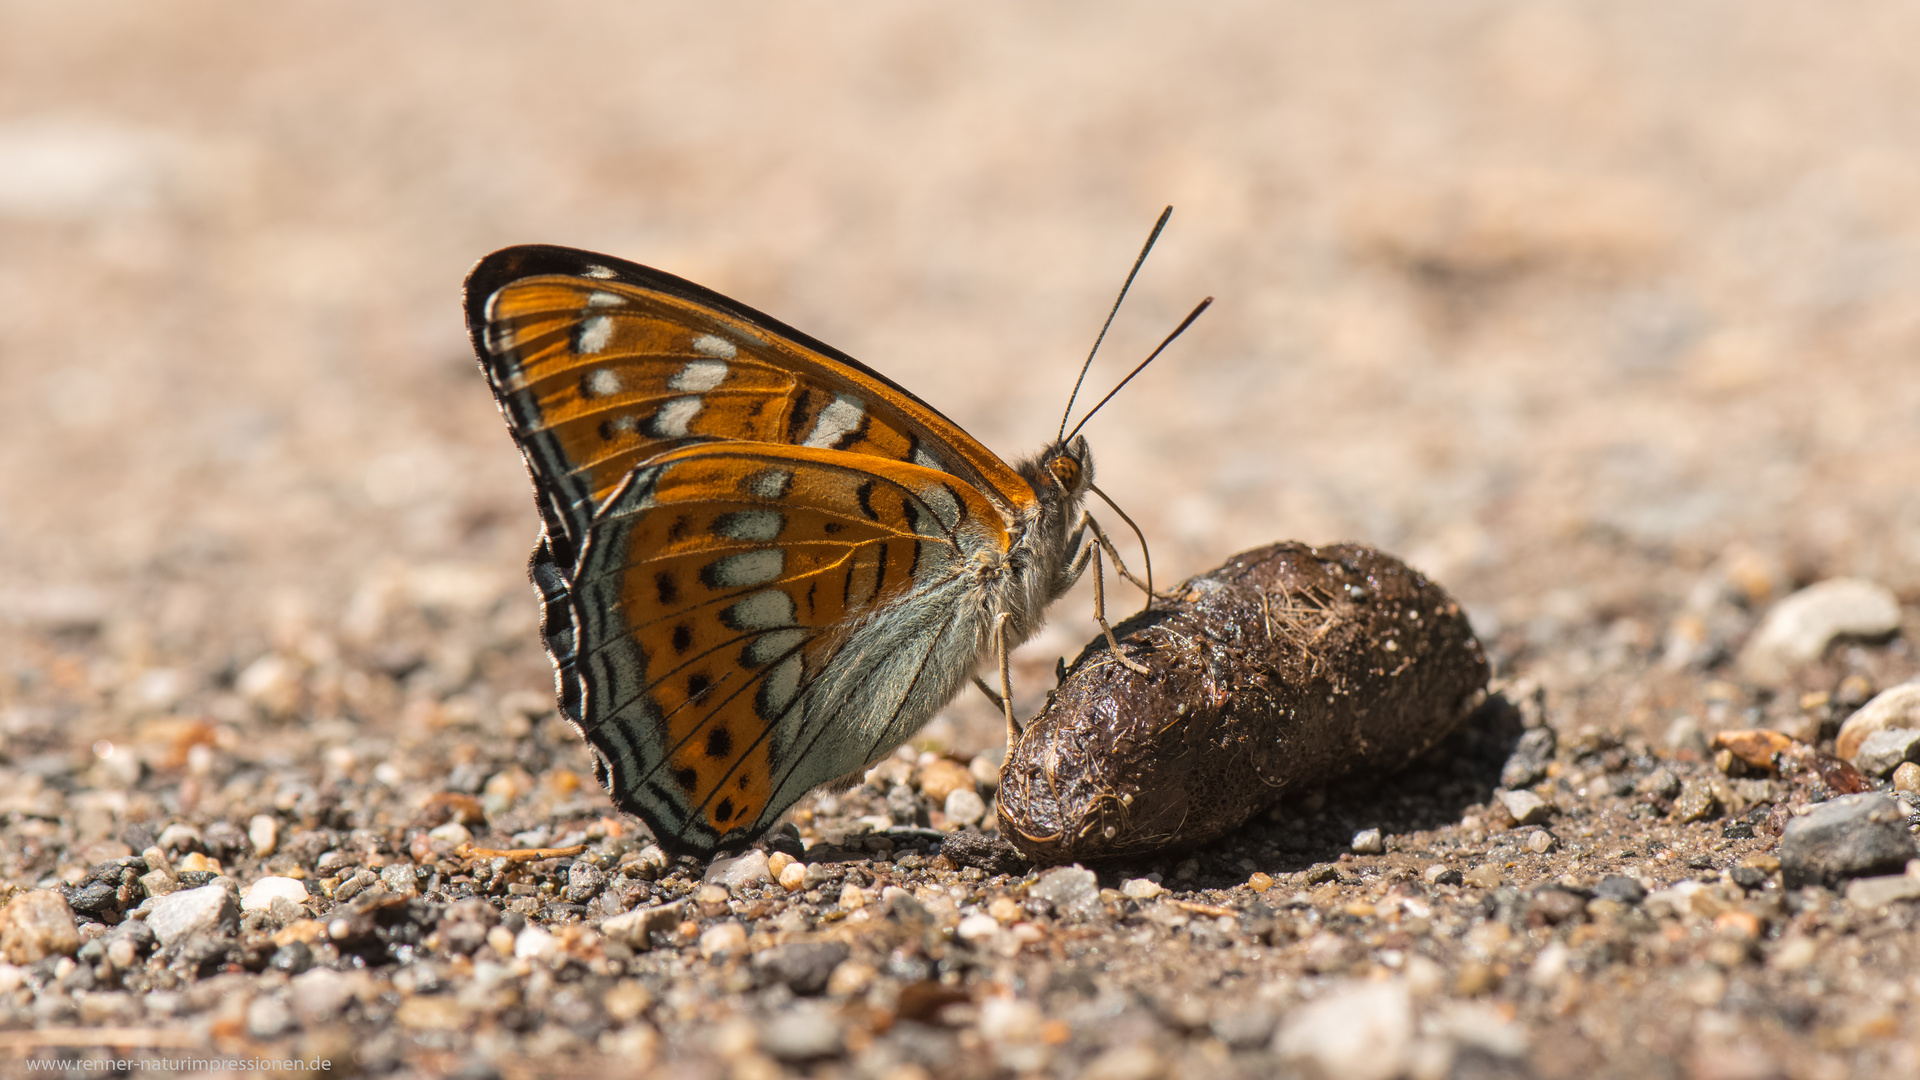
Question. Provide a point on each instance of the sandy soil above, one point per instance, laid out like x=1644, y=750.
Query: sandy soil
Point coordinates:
x=1582, y=309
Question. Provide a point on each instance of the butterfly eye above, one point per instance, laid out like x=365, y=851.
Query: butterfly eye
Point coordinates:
x=1066, y=471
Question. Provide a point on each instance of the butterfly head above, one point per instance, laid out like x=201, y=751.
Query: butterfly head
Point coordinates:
x=1063, y=471
x=1061, y=476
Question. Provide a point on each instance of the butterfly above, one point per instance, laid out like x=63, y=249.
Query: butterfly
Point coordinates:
x=763, y=564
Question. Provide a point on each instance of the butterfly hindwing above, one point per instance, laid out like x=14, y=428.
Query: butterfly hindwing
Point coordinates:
x=714, y=592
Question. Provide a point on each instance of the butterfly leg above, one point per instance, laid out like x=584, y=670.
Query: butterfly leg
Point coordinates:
x=980, y=684
x=1119, y=565
x=1006, y=677
x=1100, y=606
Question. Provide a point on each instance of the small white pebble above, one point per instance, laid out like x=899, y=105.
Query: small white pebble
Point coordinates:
x=261, y=894
x=985, y=772
x=264, y=832
x=965, y=806
x=1368, y=842
x=533, y=943
x=850, y=977
x=501, y=940
x=977, y=927
x=794, y=877
x=452, y=832
x=779, y=861
x=1140, y=888
x=121, y=954
x=853, y=896
x=726, y=937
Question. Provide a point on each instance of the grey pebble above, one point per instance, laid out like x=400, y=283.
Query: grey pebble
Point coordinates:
x=189, y=913
x=1799, y=628
x=361, y=881
x=1660, y=783
x=1696, y=803
x=179, y=837
x=1072, y=890
x=1848, y=837
x=635, y=928
x=740, y=871
x=802, y=966
x=1619, y=888
x=1527, y=765
x=1526, y=807
x=584, y=880
x=1883, y=751
x=1873, y=893
x=401, y=879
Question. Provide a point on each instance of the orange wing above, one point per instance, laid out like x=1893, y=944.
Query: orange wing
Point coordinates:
x=601, y=364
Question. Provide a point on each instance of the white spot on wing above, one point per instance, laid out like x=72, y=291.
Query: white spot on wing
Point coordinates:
x=602, y=381
x=771, y=646
x=699, y=376
x=753, y=525
x=764, y=611
x=714, y=346
x=782, y=683
x=772, y=484
x=926, y=460
x=672, y=419
x=942, y=503
x=595, y=332
x=605, y=299
x=747, y=568
x=594, y=270
x=836, y=422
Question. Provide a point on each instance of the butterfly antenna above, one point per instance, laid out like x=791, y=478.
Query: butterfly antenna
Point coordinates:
x=1177, y=331
x=1146, y=553
x=1131, y=274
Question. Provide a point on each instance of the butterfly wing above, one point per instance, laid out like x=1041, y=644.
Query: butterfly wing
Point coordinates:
x=757, y=619
x=759, y=555
x=600, y=364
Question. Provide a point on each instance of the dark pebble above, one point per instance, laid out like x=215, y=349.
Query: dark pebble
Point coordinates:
x=1737, y=830
x=1619, y=888
x=1527, y=765
x=803, y=966
x=989, y=853
x=1554, y=906
x=224, y=840
x=1848, y=837
x=1748, y=878
x=292, y=958
x=98, y=899
x=203, y=956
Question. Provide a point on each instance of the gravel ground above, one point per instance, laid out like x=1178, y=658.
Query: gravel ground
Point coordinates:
x=1601, y=315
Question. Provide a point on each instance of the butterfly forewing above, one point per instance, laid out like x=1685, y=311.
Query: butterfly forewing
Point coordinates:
x=602, y=364
x=753, y=567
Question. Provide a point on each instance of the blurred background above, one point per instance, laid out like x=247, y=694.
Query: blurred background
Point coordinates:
x=1568, y=304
